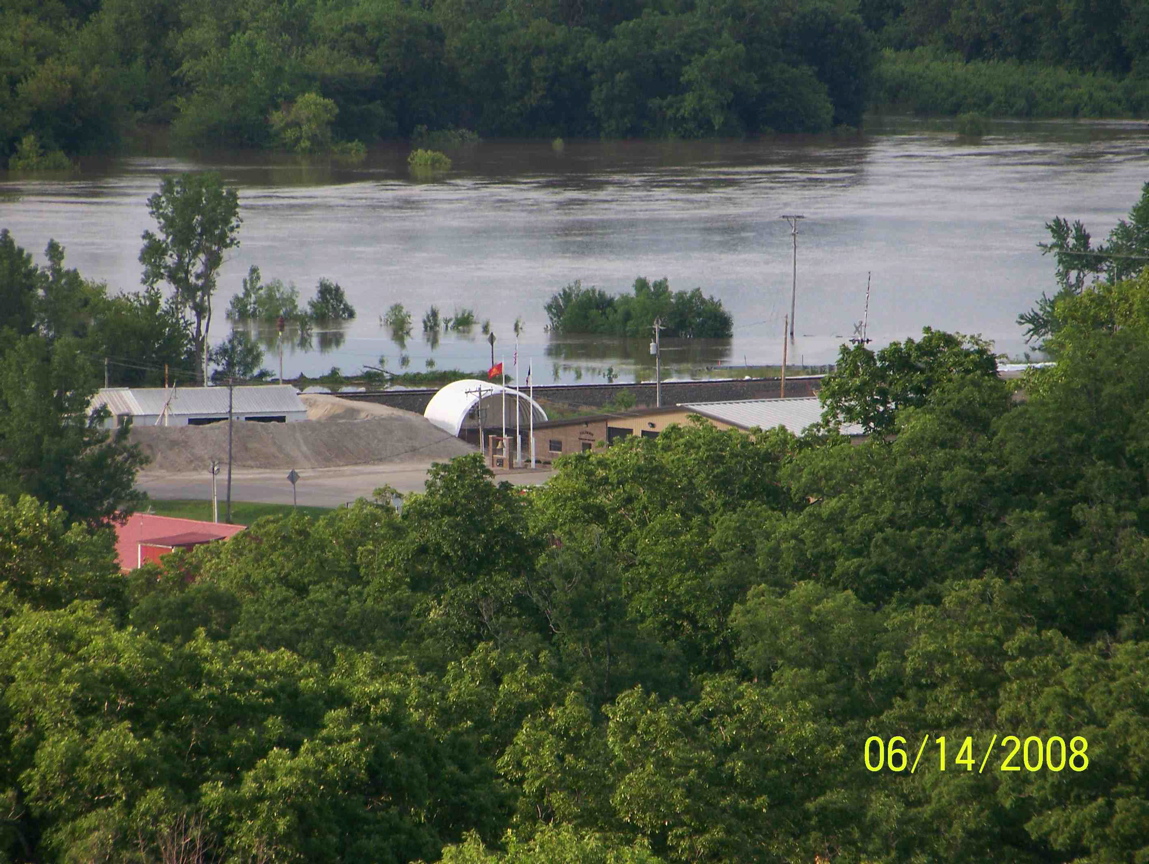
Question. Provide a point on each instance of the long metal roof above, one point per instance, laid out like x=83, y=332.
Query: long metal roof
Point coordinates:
x=199, y=401
x=796, y=415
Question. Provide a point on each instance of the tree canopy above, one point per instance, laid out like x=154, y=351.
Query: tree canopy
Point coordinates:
x=674, y=651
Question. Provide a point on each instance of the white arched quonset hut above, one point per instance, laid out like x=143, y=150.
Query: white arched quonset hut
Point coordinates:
x=461, y=404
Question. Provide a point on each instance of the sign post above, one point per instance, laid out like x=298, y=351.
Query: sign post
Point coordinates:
x=292, y=478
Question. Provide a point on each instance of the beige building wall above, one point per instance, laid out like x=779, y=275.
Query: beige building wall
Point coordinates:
x=560, y=438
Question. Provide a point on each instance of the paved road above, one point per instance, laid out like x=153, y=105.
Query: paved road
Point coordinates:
x=317, y=487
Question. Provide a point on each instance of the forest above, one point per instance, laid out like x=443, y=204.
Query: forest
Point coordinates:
x=677, y=650
x=315, y=76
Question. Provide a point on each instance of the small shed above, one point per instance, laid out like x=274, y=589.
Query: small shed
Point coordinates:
x=198, y=406
x=469, y=403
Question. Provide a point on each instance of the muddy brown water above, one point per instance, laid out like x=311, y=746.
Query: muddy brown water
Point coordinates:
x=947, y=228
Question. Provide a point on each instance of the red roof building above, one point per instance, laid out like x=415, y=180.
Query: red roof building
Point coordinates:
x=145, y=537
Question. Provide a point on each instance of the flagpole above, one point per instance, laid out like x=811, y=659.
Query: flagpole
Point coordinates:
x=531, y=384
x=503, y=372
x=518, y=436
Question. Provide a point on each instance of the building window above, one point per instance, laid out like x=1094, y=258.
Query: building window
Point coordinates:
x=282, y=418
x=586, y=445
x=617, y=433
x=649, y=433
x=555, y=445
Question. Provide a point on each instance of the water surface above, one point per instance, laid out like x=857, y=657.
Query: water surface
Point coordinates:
x=947, y=228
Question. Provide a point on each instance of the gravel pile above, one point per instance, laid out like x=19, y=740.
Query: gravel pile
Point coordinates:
x=351, y=433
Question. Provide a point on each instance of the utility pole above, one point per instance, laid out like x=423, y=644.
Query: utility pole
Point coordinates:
x=479, y=410
x=656, y=350
x=860, y=337
x=230, y=406
x=280, y=323
x=793, y=220
x=782, y=392
x=105, y=373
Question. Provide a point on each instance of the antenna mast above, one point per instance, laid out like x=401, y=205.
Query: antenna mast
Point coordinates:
x=860, y=337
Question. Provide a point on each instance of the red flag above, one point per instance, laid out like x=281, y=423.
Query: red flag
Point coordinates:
x=496, y=370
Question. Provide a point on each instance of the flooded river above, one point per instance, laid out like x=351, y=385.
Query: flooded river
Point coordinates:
x=948, y=229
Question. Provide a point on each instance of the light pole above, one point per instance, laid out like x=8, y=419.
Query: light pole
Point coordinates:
x=214, y=494
x=793, y=220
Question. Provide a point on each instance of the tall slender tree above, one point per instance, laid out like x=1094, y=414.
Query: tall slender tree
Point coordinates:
x=198, y=219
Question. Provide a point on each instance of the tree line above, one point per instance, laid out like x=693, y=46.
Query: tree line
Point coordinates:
x=674, y=651
x=313, y=77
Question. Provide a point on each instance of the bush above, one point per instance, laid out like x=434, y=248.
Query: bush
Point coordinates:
x=330, y=303
x=30, y=156
x=428, y=162
x=266, y=302
x=970, y=125
x=399, y=320
x=575, y=309
x=305, y=124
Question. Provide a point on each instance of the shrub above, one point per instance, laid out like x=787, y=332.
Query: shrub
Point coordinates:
x=330, y=303
x=399, y=320
x=575, y=309
x=266, y=302
x=30, y=156
x=464, y=319
x=428, y=162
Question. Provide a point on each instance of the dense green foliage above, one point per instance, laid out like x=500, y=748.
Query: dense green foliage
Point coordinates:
x=54, y=329
x=267, y=302
x=929, y=81
x=672, y=652
x=307, y=75
x=1083, y=266
x=316, y=76
x=575, y=309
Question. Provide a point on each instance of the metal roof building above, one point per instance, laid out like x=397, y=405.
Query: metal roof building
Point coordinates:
x=457, y=406
x=196, y=406
x=796, y=415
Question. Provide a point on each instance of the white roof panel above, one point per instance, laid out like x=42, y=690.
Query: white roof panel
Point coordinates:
x=200, y=401
x=796, y=415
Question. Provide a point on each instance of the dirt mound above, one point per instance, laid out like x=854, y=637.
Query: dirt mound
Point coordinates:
x=398, y=437
x=320, y=406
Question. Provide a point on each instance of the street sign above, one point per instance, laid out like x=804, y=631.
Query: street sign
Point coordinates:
x=292, y=477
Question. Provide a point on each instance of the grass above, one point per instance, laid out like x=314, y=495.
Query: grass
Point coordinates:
x=242, y=512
